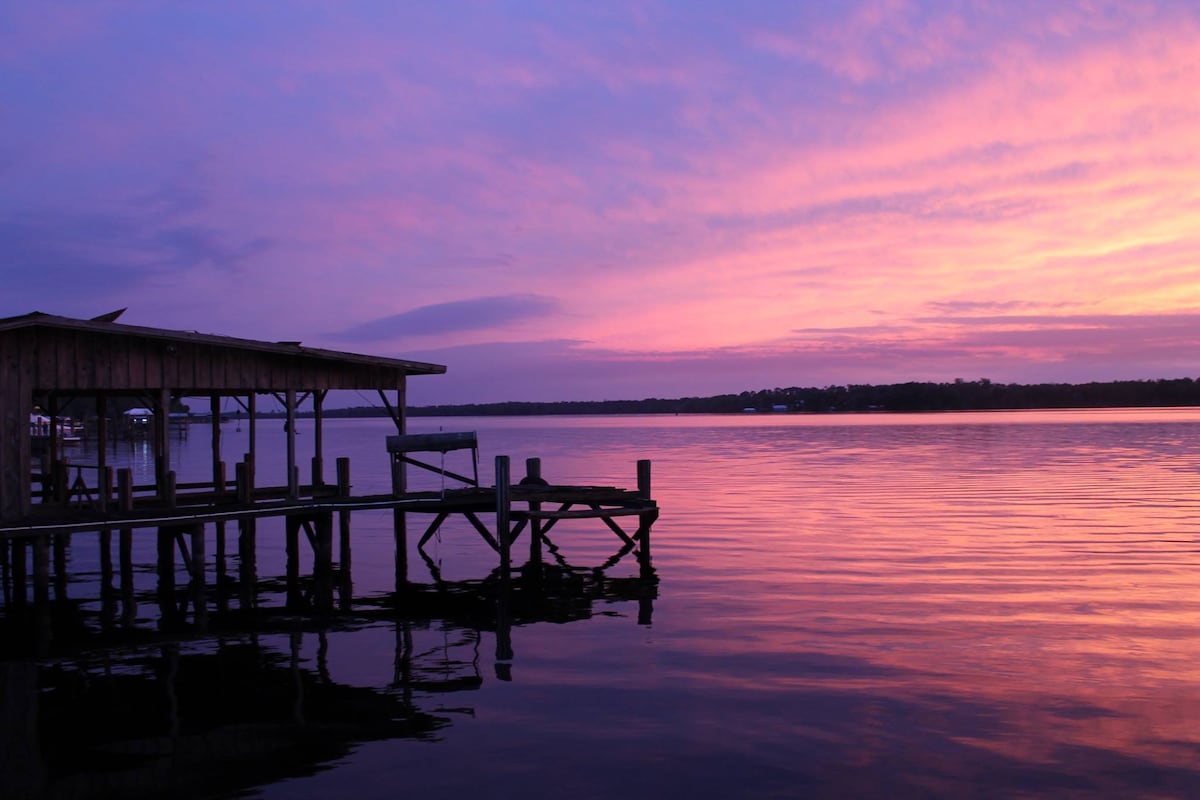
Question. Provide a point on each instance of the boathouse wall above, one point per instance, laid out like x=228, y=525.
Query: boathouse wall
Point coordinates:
x=42, y=355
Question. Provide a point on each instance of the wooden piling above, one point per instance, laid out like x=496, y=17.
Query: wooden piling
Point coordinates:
x=533, y=476
x=645, y=520
x=344, y=575
x=503, y=527
x=104, y=490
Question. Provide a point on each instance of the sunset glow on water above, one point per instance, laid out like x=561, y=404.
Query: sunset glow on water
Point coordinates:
x=992, y=605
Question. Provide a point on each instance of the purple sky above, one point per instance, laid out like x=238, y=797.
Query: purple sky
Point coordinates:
x=603, y=200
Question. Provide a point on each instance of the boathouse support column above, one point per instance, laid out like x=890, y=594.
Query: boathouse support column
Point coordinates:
x=293, y=478
x=504, y=650
x=318, y=461
x=162, y=441
x=218, y=470
x=400, y=487
x=252, y=430
x=533, y=477
x=102, y=440
x=503, y=527
x=16, y=475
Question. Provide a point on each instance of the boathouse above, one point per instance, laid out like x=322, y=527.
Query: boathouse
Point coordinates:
x=52, y=359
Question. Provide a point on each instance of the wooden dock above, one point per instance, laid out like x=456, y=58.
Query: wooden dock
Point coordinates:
x=55, y=363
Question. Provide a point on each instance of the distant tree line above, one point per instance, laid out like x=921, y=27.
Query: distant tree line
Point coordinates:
x=961, y=395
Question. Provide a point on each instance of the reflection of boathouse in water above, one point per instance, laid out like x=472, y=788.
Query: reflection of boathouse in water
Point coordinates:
x=51, y=690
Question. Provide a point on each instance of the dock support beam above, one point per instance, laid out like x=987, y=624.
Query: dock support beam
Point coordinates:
x=533, y=476
x=400, y=487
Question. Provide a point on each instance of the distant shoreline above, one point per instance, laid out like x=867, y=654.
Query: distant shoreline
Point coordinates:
x=980, y=395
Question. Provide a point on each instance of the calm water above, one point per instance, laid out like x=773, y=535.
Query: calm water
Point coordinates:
x=976, y=605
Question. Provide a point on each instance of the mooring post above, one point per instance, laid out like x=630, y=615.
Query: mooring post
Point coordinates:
x=105, y=489
x=241, y=472
x=169, y=488
x=400, y=523
x=503, y=508
x=219, y=479
x=533, y=477
x=125, y=490
x=343, y=491
x=644, y=520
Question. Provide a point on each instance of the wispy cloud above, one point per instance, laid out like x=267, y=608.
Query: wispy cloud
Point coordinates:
x=880, y=185
x=438, y=319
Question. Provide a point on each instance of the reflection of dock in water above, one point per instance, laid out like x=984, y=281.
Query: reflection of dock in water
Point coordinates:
x=101, y=698
x=100, y=703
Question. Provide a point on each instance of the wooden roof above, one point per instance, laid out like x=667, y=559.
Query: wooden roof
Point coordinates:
x=48, y=353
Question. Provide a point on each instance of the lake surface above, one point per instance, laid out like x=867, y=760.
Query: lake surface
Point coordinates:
x=945, y=605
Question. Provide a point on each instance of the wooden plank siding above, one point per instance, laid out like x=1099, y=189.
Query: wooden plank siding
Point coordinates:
x=41, y=354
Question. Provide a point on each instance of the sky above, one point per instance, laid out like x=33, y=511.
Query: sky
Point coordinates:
x=616, y=200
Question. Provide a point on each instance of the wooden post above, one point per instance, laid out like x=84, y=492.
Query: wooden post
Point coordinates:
x=503, y=507
x=218, y=469
x=162, y=444
x=101, y=447
x=400, y=487
x=252, y=429
x=168, y=491
x=533, y=477
x=62, y=480
x=292, y=474
x=105, y=490
x=644, y=520
x=643, y=478
x=125, y=490
x=241, y=471
x=318, y=461
x=343, y=490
